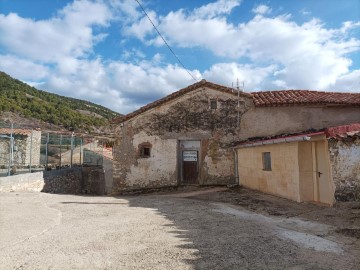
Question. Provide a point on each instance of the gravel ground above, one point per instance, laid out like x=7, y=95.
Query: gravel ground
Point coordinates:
x=161, y=231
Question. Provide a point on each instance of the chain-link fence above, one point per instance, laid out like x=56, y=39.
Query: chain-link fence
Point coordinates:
x=25, y=150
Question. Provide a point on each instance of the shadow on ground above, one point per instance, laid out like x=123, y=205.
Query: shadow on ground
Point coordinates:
x=223, y=241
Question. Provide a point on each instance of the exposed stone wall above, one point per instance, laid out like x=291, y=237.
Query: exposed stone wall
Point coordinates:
x=33, y=144
x=65, y=181
x=187, y=118
x=268, y=121
x=23, y=145
x=345, y=161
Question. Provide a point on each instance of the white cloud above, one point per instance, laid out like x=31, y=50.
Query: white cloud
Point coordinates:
x=22, y=68
x=227, y=73
x=214, y=9
x=278, y=52
x=68, y=34
x=312, y=56
x=261, y=9
x=143, y=27
x=349, y=82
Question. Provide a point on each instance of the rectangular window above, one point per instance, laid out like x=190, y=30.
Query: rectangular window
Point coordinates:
x=213, y=104
x=145, y=152
x=266, y=161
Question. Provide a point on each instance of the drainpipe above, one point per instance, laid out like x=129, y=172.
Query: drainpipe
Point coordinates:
x=298, y=138
x=237, y=179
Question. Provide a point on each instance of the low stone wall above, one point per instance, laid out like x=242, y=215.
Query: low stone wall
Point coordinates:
x=67, y=181
x=76, y=180
x=22, y=182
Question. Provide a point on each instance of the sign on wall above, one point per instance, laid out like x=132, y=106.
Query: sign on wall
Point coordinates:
x=189, y=155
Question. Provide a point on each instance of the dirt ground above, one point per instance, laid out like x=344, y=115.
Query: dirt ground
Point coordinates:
x=192, y=228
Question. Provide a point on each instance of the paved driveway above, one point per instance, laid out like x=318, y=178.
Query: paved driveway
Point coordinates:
x=47, y=231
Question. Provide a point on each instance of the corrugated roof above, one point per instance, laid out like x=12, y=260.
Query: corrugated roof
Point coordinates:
x=202, y=83
x=303, y=97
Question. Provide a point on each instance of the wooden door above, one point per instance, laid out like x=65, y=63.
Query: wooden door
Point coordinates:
x=323, y=187
x=190, y=167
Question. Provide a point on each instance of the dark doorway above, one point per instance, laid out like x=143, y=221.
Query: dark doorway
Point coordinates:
x=190, y=167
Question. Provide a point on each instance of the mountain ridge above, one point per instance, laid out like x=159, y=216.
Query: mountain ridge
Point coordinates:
x=71, y=113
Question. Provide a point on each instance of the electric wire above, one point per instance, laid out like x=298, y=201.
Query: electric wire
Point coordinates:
x=171, y=50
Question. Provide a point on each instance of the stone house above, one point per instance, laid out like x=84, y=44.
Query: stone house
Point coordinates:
x=188, y=137
x=26, y=147
x=181, y=139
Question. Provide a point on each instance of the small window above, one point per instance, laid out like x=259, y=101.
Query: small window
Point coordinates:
x=145, y=151
x=266, y=161
x=213, y=104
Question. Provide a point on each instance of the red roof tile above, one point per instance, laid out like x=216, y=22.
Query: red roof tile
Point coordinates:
x=202, y=83
x=343, y=131
x=15, y=131
x=303, y=97
x=261, y=99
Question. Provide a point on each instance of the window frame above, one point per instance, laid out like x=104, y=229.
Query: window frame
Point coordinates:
x=266, y=158
x=145, y=150
x=213, y=104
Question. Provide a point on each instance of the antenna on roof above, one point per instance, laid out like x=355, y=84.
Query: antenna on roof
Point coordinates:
x=238, y=89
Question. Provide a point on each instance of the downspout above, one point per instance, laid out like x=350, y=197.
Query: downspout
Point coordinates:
x=236, y=167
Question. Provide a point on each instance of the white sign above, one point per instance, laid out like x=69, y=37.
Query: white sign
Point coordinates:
x=189, y=155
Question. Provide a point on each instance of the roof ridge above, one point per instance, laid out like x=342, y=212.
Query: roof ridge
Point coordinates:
x=178, y=93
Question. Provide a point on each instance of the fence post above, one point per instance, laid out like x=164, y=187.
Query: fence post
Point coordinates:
x=71, y=149
x=81, y=143
x=46, y=151
x=60, y=148
x=12, y=146
x=31, y=138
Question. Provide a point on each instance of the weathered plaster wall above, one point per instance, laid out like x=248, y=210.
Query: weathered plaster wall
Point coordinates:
x=188, y=117
x=282, y=180
x=267, y=121
x=157, y=170
x=345, y=161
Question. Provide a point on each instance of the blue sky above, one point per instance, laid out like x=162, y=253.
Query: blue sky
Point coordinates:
x=107, y=51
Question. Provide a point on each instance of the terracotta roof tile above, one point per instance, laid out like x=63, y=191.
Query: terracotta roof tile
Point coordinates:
x=202, y=83
x=303, y=97
x=343, y=131
x=16, y=131
x=261, y=99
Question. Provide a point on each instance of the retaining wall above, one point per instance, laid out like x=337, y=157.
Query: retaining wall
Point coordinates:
x=76, y=180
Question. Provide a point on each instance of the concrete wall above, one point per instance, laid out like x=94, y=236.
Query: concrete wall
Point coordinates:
x=282, y=180
x=345, y=161
x=267, y=121
x=76, y=180
x=22, y=182
x=188, y=117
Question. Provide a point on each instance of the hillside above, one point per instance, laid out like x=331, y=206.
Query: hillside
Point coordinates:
x=73, y=114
